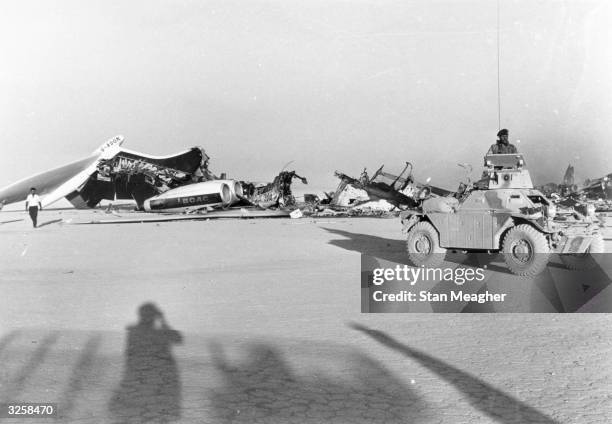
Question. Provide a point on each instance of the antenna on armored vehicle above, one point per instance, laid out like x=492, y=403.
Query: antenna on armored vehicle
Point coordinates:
x=498, y=71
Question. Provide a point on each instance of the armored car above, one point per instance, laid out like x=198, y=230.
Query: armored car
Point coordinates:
x=502, y=212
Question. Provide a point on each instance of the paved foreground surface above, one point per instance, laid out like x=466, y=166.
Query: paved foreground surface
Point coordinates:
x=263, y=326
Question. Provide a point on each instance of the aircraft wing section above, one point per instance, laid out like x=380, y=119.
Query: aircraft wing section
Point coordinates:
x=69, y=186
x=54, y=184
x=45, y=182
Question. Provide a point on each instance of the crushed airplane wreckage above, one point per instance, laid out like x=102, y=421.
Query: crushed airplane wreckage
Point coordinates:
x=381, y=195
x=566, y=188
x=594, y=193
x=276, y=194
x=599, y=192
x=112, y=172
x=178, y=183
x=201, y=197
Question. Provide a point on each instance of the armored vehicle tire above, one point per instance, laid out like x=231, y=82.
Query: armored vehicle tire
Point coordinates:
x=525, y=250
x=423, y=245
x=582, y=261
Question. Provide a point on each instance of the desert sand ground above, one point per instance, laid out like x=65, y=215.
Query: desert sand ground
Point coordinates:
x=268, y=329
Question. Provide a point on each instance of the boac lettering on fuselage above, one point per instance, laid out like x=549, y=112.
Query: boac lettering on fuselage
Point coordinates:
x=193, y=200
x=183, y=201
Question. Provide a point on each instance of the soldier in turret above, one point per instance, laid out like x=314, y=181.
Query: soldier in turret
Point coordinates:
x=502, y=146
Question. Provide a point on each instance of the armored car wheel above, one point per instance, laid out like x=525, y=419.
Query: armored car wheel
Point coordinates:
x=423, y=245
x=525, y=250
x=582, y=261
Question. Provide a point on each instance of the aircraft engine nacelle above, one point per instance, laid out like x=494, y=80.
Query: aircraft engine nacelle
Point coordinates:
x=235, y=190
x=191, y=197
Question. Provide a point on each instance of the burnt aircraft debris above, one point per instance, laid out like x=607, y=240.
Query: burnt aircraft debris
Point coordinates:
x=201, y=197
x=563, y=189
x=599, y=191
x=183, y=183
x=594, y=192
x=276, y=194
x=130, y=176
x=175, y=183
x=382, y=194
x=112, y=172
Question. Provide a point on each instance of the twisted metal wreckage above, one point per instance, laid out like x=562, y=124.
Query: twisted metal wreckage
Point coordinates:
x=383, y=194
x=386, y=194
x=596, y=192
x=181, y=182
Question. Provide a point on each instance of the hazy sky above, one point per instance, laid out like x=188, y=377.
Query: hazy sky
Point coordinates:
x=330, y=85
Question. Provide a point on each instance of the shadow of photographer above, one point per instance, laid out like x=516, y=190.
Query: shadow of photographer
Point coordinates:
x=150, y=390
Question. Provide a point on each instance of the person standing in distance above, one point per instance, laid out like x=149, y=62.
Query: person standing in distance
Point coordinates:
x=33, y=205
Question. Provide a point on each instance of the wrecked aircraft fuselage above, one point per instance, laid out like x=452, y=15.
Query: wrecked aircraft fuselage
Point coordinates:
x=113, y=173
x=275, y=194
x=375, y=190
x=130, y=176
x=175, y=183
x=596, y=192
x=398, y=191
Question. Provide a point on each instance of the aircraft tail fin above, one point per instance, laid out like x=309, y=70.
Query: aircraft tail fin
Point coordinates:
x=110, y=144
